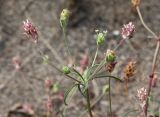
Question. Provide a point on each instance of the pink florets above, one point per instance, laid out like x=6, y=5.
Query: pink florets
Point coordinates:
x=128, y=30
x=30, y=30
x=142, y=96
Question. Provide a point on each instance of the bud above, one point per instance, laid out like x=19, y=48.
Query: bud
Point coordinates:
x=110, y=56
x=101, y=37
x=30, y=31
x=66, y=70
x=136, y=2
x=64, y=18
x=128, y=30
x=105, y=89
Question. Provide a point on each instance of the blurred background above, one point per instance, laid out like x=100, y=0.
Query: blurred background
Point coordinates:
x=26, y=86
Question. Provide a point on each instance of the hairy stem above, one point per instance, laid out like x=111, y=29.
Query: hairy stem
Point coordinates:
x=88, y=104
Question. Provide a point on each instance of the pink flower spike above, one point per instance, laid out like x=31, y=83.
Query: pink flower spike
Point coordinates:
x=142, y=96
x=128, y=30
x=30, y=31
x=16, y=62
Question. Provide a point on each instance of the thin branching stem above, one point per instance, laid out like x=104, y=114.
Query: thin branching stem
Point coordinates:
x=144, y=24
x=66, y=43
x=154, y=59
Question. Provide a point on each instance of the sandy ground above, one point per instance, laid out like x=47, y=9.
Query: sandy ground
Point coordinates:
x=27, y=85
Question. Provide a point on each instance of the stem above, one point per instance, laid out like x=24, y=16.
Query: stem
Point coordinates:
x=66, y=43
x=119, y=44
x=110, y=99
x=144, y=24
x=88, y=103
x=95, y=56
x=154, y=59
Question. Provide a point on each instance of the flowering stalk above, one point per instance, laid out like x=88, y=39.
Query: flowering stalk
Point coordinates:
x=154, y=58
x=88, y=103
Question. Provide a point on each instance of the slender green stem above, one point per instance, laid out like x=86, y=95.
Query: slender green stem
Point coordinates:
x=66, y=43
x=88, y=103
x=95, y=56
x=110, y=99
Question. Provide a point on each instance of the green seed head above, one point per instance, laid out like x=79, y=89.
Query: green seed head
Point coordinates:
x=110, y=56
x=64, y=18
x=66, y=70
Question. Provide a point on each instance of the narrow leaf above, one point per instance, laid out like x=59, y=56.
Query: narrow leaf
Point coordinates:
x=68, y=92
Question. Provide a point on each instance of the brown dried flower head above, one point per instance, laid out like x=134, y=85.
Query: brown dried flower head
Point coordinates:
x=110, y=67
x=130, y=68
x=136, y=2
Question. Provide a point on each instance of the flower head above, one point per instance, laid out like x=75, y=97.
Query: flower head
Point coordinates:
x=142, y=96
x=130, y=68
x=30, y=31
x=64, y=18
x=110, y=56
x=128, y=30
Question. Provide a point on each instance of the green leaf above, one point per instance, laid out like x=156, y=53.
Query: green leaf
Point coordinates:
x=78, y=74
x=109, y=76
x=69, y=93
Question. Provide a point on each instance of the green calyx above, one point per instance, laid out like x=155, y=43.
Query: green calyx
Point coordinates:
x=110, y=56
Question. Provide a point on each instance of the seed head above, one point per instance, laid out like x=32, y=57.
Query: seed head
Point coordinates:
x=110, y=56
x=129, y=70
x=128, y=30
x=30, y=31
x=136, y=2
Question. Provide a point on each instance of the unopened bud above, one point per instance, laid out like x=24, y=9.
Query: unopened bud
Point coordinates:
x=66, y=70
x=101, y=37
x=64, y=18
